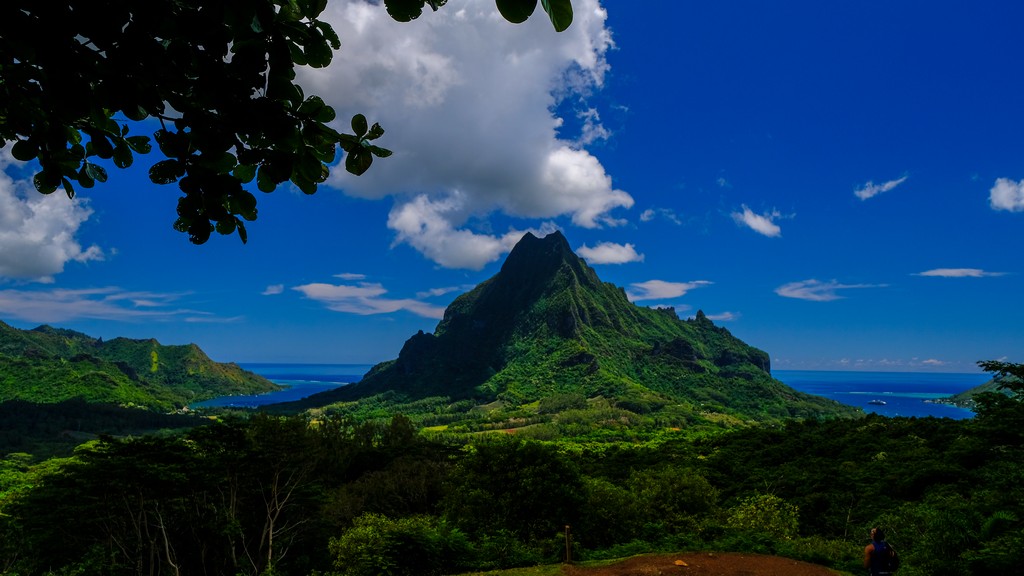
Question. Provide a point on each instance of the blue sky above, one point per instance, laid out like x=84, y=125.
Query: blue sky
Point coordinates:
x=840, y=184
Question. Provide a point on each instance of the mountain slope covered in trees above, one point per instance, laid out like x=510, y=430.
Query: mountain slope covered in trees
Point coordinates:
x=546, y=325
x=49, y=365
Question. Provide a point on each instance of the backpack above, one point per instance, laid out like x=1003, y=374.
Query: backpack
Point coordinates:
x=885, y=560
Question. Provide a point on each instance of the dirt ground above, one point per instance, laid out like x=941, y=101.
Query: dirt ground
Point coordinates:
x=704, y=564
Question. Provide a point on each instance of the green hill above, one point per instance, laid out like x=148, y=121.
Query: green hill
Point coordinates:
x=49, y=365
x=965, y=399
x=546, y=325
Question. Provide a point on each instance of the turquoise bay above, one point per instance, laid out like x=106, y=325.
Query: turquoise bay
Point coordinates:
x=903, y=393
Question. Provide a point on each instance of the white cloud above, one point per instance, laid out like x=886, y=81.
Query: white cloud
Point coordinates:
x=273, y=289
x=760, y=223
x=723, y=317
x=959, y=273
x=211, y=319
x=817, y=291
x=666, y=213
x=657, y=289
x=350, y=276
x=468, y=103
x=610, y=253
x=592, y=130
x=38, y=232
x=365, y=299
x=108, y=303
x=1007, y=195
x=933, y=362
x=424, y=225
x=871, y=189
x=436, y=292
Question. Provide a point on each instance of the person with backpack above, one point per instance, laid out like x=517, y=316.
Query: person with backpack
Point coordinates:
x=879, y=557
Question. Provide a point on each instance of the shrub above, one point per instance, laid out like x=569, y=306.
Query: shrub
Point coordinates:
x=767, y=514
x=418, y=545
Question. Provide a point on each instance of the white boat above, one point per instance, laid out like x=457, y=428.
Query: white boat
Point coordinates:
x=877, y=402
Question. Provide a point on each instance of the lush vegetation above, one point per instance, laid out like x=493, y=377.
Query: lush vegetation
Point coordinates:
x=48, y=365
x=294, y=495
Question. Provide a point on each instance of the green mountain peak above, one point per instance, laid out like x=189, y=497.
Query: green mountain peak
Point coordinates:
x=546, y=324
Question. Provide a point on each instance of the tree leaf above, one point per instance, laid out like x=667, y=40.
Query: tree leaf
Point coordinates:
x=326, y=114
x=244, y=204
x=68, y=188
x=24, y=150
x=84, y=180
x=242, y=234
x=96, y=172
x=139, y=144
x=358, y=160
x=305, y=184
x=516, y=11
x=123, y=155
x=166, y=171
x=311, y=106
x=318, y=52
x=560, y=13
x=404, y=10
x=375, y=132
x=379, y=152
x=329, y=34
x=135, y=113
x=359, y=125
x=244, y=172
x=264, y=181
x=45, y=182
x=226, y=226
x=347, y=141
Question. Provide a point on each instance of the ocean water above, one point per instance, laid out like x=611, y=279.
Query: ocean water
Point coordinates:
x=904, y=393
x=301, y=380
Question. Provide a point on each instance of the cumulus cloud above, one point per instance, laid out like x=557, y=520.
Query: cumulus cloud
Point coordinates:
x=1007, y=195
x=364, y=299
x=657, y=289
x=871, y=189
x=468, y=101
x=723, y=317
x=38, y=232
x=424, y=225
x=761, y=223
x=107, y=303
x=273, y=289
x=610, y=253
x=817, y=291
x=959, y=273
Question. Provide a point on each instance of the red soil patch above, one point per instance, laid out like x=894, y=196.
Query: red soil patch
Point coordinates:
x=704, y=564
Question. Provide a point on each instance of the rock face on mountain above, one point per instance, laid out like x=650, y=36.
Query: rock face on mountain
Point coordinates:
x=546, y=324
x=48, y=364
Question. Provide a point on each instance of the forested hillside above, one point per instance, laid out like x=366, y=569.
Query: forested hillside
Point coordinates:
x=292, y=497
x=50, y=365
